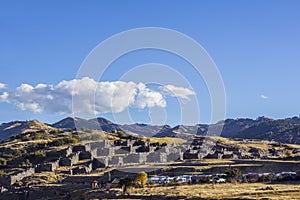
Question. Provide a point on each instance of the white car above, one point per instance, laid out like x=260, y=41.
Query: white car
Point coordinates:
x=221, y=180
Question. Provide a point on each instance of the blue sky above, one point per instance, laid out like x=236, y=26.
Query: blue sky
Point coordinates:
x=255, y=45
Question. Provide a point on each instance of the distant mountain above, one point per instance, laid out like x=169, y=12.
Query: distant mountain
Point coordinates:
x=166, y=131
x=70, y=123
x=283, y=130
x=141, y=129
x=182, y=130
x=93, y=124
x=10, y=129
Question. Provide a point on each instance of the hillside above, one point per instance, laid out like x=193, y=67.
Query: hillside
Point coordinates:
x=285, y=131
x=10, y=129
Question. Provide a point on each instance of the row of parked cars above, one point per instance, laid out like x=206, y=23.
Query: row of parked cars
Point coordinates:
x=222, y=178
x=217, y=178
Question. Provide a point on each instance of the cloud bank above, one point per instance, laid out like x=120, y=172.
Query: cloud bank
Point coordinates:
x=89, y=96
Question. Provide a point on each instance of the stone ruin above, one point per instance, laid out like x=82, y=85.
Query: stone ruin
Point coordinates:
x=103, y=154
x=17, y=176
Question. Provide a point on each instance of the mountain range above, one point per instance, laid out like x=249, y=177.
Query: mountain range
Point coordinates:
x=281, y=130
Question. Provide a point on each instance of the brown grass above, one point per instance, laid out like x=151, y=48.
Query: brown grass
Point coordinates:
x=228, y=190
x=168, y=140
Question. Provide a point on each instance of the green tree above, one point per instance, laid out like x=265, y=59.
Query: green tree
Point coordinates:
x=17, y=153
x=141, y=179
x=114, y=131
x=121, y=134
x=234, y=173
x=25, y=163
x=289, y=153
x=3, y=162
x=125, y=183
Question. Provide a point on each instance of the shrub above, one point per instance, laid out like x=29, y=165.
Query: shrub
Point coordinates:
x=234, y=173
x=289, y=153
x=3, y=162
x=66, y=140
x=141, y=179
x=121, y=134
x=125, y=183
x=25, y=163
x=34, y=157
x=174, y=182
x=17, y=153
x=25, y=137
x=56, y=131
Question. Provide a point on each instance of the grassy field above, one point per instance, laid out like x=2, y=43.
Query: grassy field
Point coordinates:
x=223, y=191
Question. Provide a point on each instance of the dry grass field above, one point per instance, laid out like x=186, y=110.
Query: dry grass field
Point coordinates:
x=222, y=191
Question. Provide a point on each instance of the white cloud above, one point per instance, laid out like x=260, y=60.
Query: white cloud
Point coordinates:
x=263, y=96
x=174, y=91
x=4, y=97
x=148, y=98
x=90, y=96
x=2, y=86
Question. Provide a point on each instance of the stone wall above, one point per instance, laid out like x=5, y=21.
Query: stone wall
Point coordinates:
x=138, y=158
x=105, y=151
x=70, y=160
x=116, y=161
x=47, y=167
x=10, y=180
x=85, y=155
x=83, y=169
x=97, y=163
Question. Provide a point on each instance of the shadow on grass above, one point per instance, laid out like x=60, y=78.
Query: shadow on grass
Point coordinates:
x=284, y=182
x=159, y=197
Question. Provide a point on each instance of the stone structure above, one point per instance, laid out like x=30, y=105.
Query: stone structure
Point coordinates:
x=47, y=167
x=81, y=148
x=70, y=160
x=137, y=158
x=10, y=180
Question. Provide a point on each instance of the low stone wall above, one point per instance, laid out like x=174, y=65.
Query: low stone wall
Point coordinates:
x=10, y=180
x=105, y=152
x=47, y=167
x=70, y=160
x=83, y=169
x=85, y=155
x=96, y=163
x=81, y=148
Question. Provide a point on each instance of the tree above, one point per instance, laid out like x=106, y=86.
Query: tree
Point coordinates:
x=121, y=134
x=17, y=153
x=125, y=183
x=289, y=153
x=3, y=162
x=234, y=173
x=141, y=179
x=114, y=131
